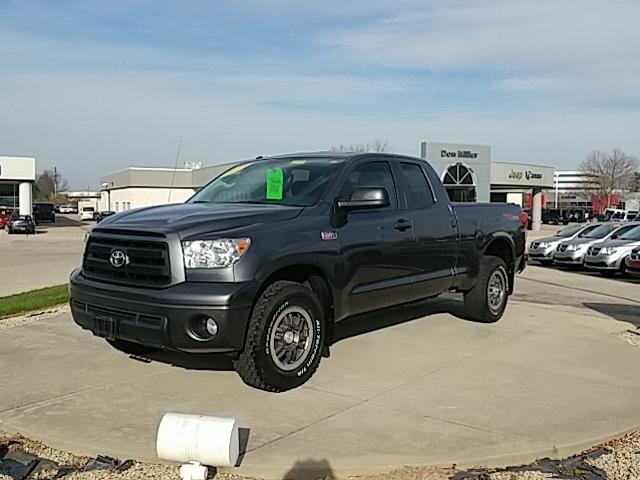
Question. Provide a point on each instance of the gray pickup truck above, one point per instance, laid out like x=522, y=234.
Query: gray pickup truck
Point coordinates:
x=263, y=261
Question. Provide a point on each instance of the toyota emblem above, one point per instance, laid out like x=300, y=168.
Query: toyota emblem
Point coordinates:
x=118, y=258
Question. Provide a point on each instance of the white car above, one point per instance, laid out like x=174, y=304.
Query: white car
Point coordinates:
x=543, y=250
x=87, y=213
x=65, y=209
x=573, y=252
x=610, y=257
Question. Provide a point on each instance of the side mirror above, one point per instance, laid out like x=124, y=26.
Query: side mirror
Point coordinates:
x=366, y=197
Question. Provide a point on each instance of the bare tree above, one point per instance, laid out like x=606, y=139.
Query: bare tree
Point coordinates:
x=608, y=173
x=49, y=185
x=375, y=146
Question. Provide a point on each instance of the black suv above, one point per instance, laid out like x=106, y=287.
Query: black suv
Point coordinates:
x=44, y=211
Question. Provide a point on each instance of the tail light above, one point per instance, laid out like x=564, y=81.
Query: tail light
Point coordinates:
x=524, y=219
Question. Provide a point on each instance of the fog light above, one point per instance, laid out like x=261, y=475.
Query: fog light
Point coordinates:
x=212, y=326
x=202, y=328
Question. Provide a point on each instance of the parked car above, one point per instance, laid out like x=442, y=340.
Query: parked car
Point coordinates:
x=552, y=216
x=543, y=249
x=5, y=214
x=44, y=211
x=573, y=252
x=87, y=213
x=65, y=209
x=21, y=224
x=263, y=260
x=609, y=257
x=631, y=216
x=633, y=262
x=104, y=214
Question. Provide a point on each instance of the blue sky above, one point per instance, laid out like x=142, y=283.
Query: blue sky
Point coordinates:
x=94, y=87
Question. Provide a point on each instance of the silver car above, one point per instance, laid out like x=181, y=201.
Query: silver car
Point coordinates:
x=543, y=249
x=609, y=257
x=573, y=252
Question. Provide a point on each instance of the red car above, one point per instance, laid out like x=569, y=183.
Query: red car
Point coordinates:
x=5, y=214
x=633, y=262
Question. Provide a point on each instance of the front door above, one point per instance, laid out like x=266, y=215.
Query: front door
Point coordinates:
x=375, y=245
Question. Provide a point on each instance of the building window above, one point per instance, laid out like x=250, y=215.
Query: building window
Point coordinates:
x=9, y=195
x=460, y=182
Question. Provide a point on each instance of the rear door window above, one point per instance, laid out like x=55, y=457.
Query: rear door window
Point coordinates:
x=417, y=189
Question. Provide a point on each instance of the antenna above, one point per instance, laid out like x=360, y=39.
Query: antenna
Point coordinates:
x=175, y=167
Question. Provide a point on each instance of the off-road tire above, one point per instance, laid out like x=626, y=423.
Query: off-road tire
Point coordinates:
x=255, y=364
x=476, y=300
x=131, y=348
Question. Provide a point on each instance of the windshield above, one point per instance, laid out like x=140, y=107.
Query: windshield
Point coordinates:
x=633, y=234
x=600, y=231
x=569, y=231
x=283, y=181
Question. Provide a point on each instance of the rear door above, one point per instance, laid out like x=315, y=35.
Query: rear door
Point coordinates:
x=375, y=245
x=435, y=232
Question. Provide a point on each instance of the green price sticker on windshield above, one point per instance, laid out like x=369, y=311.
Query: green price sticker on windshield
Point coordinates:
x=275, y=182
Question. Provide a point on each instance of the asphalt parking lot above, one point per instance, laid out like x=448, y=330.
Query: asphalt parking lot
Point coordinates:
x=416, y=386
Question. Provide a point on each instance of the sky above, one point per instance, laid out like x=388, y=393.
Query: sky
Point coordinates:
x=95, y=87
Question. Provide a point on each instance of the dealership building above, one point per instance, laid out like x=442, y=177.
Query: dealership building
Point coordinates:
x=469, y=174
x=17, y=176
x=467, y=171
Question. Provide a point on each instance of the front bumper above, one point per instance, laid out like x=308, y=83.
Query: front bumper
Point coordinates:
x=602, y=262
x=542, y=253
x=163, y=317
x=570, y=257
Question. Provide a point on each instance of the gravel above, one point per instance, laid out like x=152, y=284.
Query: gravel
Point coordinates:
x=620, y=462
x=18, y=320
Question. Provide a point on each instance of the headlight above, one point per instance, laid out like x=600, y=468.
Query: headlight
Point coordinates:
x=545, y=245
x=608, y=250
x=86, y=239
x=214, y=253
x=574, y=248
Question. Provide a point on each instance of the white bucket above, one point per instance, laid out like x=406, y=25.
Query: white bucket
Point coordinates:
x=198, y=438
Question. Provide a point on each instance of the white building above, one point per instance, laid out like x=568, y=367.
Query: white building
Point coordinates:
x=146, y=186
x=17, y=176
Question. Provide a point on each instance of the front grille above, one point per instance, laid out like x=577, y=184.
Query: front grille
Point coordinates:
x=561, y=248
x=534, y=245
x=593, y=251
x=143, y=263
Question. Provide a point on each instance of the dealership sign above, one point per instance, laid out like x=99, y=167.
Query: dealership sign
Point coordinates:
x=528, y=174
x=458, y=154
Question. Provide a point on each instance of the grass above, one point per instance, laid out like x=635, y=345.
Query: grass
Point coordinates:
x=33, y=300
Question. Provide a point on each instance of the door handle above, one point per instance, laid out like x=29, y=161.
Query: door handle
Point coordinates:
x=402, y=225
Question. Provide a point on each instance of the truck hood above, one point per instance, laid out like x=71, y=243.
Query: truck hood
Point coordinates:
x=195, y=218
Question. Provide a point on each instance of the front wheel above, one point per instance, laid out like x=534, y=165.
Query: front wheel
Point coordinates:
x=284, y=340
x=487, y=300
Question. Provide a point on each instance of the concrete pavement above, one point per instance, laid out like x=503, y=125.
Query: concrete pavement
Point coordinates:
x=43, y=260
x=400, y=388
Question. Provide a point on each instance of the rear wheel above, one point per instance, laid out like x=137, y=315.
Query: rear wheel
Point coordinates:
x=487, y=300
x=285, y=337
